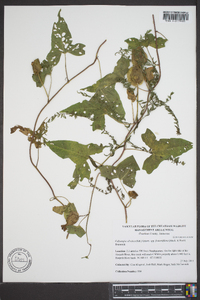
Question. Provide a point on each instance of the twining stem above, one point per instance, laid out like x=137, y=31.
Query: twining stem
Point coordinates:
x=125, y=208
x=59, y=197
x=38, y=157
x=43, y=108
x=88, y=215
x=158, y=58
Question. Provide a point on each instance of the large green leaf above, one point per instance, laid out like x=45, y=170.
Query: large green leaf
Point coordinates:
x=79, y=154
x=125, y=171
x=61, y=42
x=111, y=79
x=121, y=68
x=151, y=41
x=104, y=102
x=148, y=40
x=133, y=43
x=163, y=149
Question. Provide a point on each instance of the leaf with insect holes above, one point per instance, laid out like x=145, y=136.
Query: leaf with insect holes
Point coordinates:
x=104, y=102
x=148, y=40
x=79, y=154
x=111, y=79
x=163, y=149
x=125, y=171
x=61, y=42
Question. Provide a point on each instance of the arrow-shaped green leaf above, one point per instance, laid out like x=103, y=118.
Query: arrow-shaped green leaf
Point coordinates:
x=111, y=79
x=125, y=171
x=61, y=42
x=79, y=154
x=162, y=149
x=104, y=102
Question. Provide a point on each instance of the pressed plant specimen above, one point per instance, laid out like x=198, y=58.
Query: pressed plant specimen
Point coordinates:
x=138, y=73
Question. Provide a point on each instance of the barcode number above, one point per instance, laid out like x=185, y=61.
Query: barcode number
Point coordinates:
x=175, y=16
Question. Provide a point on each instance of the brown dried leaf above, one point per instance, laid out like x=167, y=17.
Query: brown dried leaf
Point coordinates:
x=135, y=75
x=59, y=209
x=64, y=227
x=132, y=194
x=149, y=73
x=36, y=66
x=72, y=218
x=131, y=95
x=23, y=130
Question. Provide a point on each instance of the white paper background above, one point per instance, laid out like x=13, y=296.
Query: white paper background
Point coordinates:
x=169, y=192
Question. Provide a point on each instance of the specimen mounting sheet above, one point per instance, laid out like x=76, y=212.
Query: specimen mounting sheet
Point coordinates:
x=158, y=242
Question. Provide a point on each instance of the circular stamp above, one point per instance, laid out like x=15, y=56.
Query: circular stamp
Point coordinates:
x=19, y=260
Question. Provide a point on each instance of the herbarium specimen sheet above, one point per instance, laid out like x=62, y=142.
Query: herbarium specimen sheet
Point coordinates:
x=99, y=144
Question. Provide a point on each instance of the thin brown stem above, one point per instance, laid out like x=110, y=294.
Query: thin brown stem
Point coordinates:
x=125, y=210
x=158, y=58
x=161, y=34
x=88, y=215
x=35, y=166
x=38, y=157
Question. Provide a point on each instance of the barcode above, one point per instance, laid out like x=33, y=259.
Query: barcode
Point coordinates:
x=175, y=16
